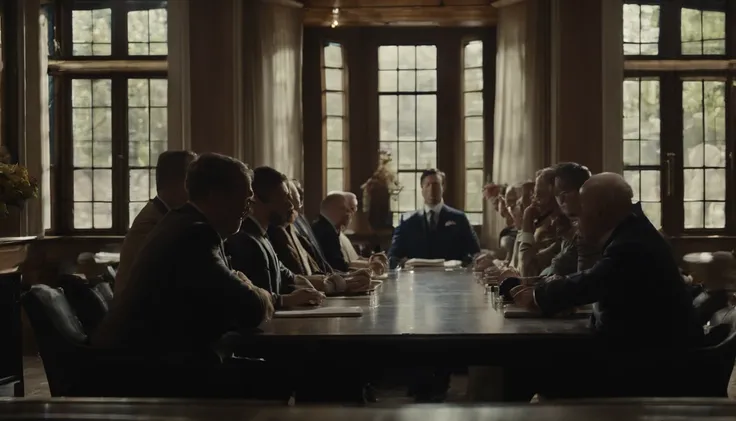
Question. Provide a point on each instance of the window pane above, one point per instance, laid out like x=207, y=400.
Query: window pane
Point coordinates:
x=148, y=32
x=641, y=123
x=704, y=153
x=333, y=92
x=92, y=32
x=473, y=126
x=92, y=152
x=646, y=189
x=147, y=136
x=641, y=29
x=703, y=32
x=410, y=117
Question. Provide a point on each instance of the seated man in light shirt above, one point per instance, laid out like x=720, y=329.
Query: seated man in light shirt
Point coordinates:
x=171, y=193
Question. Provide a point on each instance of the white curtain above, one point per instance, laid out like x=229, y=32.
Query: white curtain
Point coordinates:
x=522, y=106
x=273, y=78
x=45, y=126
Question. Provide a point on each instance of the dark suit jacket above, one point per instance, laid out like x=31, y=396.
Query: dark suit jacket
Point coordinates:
x=181, y=295
x=252, y=253
x=641, y=297
x=329, y=241
x=287, y=251
x=305, y=229
x=453, y=239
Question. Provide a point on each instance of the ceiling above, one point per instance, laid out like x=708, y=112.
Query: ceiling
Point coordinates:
x=400, y=12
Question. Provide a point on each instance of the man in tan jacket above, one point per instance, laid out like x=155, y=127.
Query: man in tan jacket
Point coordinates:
x=171, y=193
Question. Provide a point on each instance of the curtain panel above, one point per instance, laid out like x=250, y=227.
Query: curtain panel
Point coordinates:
x=273, y=96
x=522, y=108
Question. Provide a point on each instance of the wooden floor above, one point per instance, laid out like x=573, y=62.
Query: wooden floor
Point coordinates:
x=37, y=387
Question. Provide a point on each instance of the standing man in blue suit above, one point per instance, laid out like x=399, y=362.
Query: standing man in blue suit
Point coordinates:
x=436, y=231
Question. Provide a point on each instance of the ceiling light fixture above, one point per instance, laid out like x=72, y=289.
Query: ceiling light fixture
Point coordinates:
x=335, y=17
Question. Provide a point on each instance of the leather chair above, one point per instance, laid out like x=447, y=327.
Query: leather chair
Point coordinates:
x=105, y=290
x=59, y=335
x=85, y=299
x=707, y=303
x=75, y=369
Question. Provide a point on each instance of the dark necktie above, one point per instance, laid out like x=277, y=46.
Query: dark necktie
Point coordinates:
x=431, y=221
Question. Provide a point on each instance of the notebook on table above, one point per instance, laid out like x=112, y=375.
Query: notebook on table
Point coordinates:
x=375, y=284
x=512, y=311
x=320, y=312
x=432, y=263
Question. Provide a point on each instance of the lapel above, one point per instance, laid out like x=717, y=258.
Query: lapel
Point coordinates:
x=442, y=218
x=291, y=238
x=254, y=231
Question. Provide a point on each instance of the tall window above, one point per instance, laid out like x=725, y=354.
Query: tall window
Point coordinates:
x=111, y=122
x=678, y=150
x=334, y=124
x=473, y=129
x=407, y=85
x=642, y=167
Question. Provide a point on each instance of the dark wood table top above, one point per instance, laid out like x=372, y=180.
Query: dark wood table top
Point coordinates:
x=177, y=410
x=425, y=302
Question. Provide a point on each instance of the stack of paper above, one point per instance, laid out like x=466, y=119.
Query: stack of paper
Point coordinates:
x=424, y=263
x=512, y=311
x=320, y=312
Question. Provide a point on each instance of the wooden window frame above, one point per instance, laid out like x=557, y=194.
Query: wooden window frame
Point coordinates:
x=345, y=117
x=671, y=67
x=119, y=67
x=360, y=47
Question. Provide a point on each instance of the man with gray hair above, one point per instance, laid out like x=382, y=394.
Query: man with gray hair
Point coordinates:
x=643, y=309
x=334, y=217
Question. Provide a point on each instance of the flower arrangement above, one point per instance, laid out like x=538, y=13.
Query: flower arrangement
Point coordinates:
x=382, y=177
x=16, y=185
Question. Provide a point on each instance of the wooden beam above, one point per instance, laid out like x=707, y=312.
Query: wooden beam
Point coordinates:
x=680, y=65
x=405, y=16
x=106, y=66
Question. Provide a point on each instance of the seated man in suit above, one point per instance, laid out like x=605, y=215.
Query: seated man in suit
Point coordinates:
x=171, y=193
x=182, y=295
x=304, y=228
x=435, y=232
x=289, y=244
x=334, y=215
x=539, y=240
x=251, y=251
x=642, y=306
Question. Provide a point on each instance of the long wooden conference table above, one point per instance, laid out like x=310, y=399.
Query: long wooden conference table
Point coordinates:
x=424, y=314
x=177, y=410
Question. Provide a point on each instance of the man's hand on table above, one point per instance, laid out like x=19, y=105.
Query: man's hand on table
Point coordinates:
x=303, y=297
x=524, y=297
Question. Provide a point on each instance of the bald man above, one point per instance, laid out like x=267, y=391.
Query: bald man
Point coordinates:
x=643, y=313
x=334, y=216
x=641, y=297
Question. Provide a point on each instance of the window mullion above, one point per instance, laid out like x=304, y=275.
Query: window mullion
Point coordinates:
x=730, y=152
x=671, y=155
x=669, y=30
x=119, y=155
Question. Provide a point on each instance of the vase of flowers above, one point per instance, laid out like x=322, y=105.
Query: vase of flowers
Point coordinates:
x=378, y=191
x=16, y=185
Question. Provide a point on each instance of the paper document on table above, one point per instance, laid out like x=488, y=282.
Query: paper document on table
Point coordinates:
x=320, y=312
x=424, y=263
x=512, y=311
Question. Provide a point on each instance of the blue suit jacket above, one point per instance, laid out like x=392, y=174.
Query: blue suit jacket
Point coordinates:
x=453, y=239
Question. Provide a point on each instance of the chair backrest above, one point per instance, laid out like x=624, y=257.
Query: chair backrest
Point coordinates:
x=105, y=290
x=59, y=335
x=707, y=303
x=85, y=299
